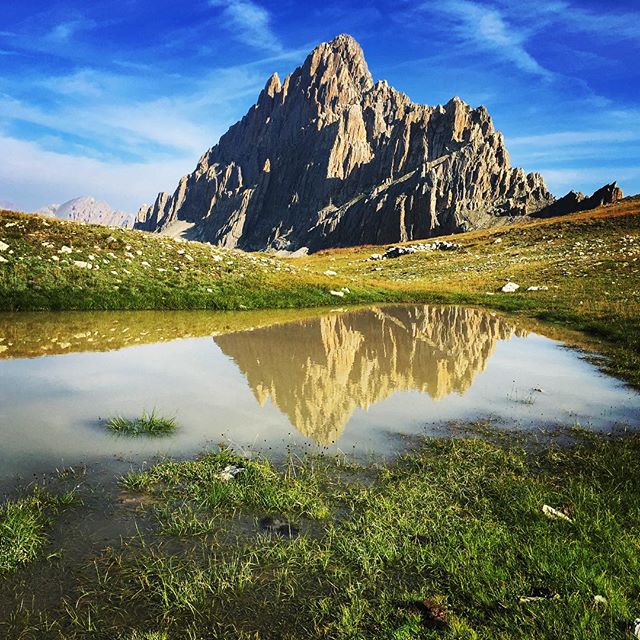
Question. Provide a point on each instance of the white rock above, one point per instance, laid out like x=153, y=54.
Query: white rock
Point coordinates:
x=510, y=287
x=65, y=249
x=3, y=259
x=3, y=246
x=329, y=272
x=340, y=294
x=230, y=472
x=82, y=264
x=217, y=258
x=550, y=512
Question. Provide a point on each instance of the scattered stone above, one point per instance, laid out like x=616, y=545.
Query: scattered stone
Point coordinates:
x=329, y=272
x=230, y=472
x=555, y=514
x=217, y=258
x=65, y=249
x=82, y=264
x=497, y=241
x=537, y=288
x=375, y=256
x=3, y=259
x=340, y=294
x=510, y=287
x=3, y=246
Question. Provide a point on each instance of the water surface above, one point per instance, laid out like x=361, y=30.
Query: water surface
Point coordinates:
x=346, y=379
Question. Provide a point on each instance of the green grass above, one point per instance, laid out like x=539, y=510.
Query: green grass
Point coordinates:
x=148, y=424
x=194, y=495
x=455, y=523
x=24, y=524
x=57, y=265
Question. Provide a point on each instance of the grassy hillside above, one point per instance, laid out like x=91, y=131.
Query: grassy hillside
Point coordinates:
x=586, y=265
x=57, y=265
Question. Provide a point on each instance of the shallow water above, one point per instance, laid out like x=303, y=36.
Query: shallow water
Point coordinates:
x=346, y=379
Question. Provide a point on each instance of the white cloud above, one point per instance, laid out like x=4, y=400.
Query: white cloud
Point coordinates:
x=587, y=179
x=94, y=105
x=62, y=176
x=576, y=137
x=249, y=22
x=488, y=28
x=63, y=31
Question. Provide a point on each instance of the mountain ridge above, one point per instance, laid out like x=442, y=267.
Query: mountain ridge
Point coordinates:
x=329, y=158
x=88, y=210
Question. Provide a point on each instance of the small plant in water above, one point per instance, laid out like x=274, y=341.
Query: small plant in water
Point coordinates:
x=147, y=424
x=521, y=398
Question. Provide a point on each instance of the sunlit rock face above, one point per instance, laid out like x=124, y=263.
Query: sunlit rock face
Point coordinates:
x=319, y=371
x=329, y=158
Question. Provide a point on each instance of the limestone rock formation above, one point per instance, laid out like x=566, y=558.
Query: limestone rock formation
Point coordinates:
x=319, y=371
x=575, y=201
x=328, y=157
x=88, y=210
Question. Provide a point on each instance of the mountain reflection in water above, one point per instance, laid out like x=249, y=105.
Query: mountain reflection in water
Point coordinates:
x=320, y=370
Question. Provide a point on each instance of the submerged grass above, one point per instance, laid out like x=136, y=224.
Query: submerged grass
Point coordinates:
x=150, y=424
x=448, y=541
x=24, y=524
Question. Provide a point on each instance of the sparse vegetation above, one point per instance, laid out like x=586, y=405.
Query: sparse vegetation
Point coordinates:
x=149, y=424
x=23, y=526
x=448, y=541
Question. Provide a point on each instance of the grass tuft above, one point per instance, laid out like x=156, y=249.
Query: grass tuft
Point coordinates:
x=150, y=424
x=23, y=527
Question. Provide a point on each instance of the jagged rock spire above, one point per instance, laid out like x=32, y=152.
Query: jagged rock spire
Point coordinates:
x=328, y=158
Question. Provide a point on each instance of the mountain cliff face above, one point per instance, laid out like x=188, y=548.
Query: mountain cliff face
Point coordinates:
x=88, y=210
x=329, y=158
x=319, y=371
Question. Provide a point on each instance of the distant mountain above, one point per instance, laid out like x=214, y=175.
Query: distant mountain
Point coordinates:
x=88, y=210
x=8, y=205
x=331, y=158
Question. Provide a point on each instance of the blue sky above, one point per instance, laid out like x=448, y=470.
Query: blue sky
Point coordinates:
x=119, y=99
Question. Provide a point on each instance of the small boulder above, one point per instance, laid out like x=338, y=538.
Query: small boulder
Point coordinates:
x=510, y=287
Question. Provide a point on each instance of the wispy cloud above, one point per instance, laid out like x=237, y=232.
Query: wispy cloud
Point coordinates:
x=577, y=137
x=250, y=23
x=589, y=178
x=64, y=31
x=488, y=28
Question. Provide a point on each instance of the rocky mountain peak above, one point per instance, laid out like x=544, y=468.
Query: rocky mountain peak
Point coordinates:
x=328, y=158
